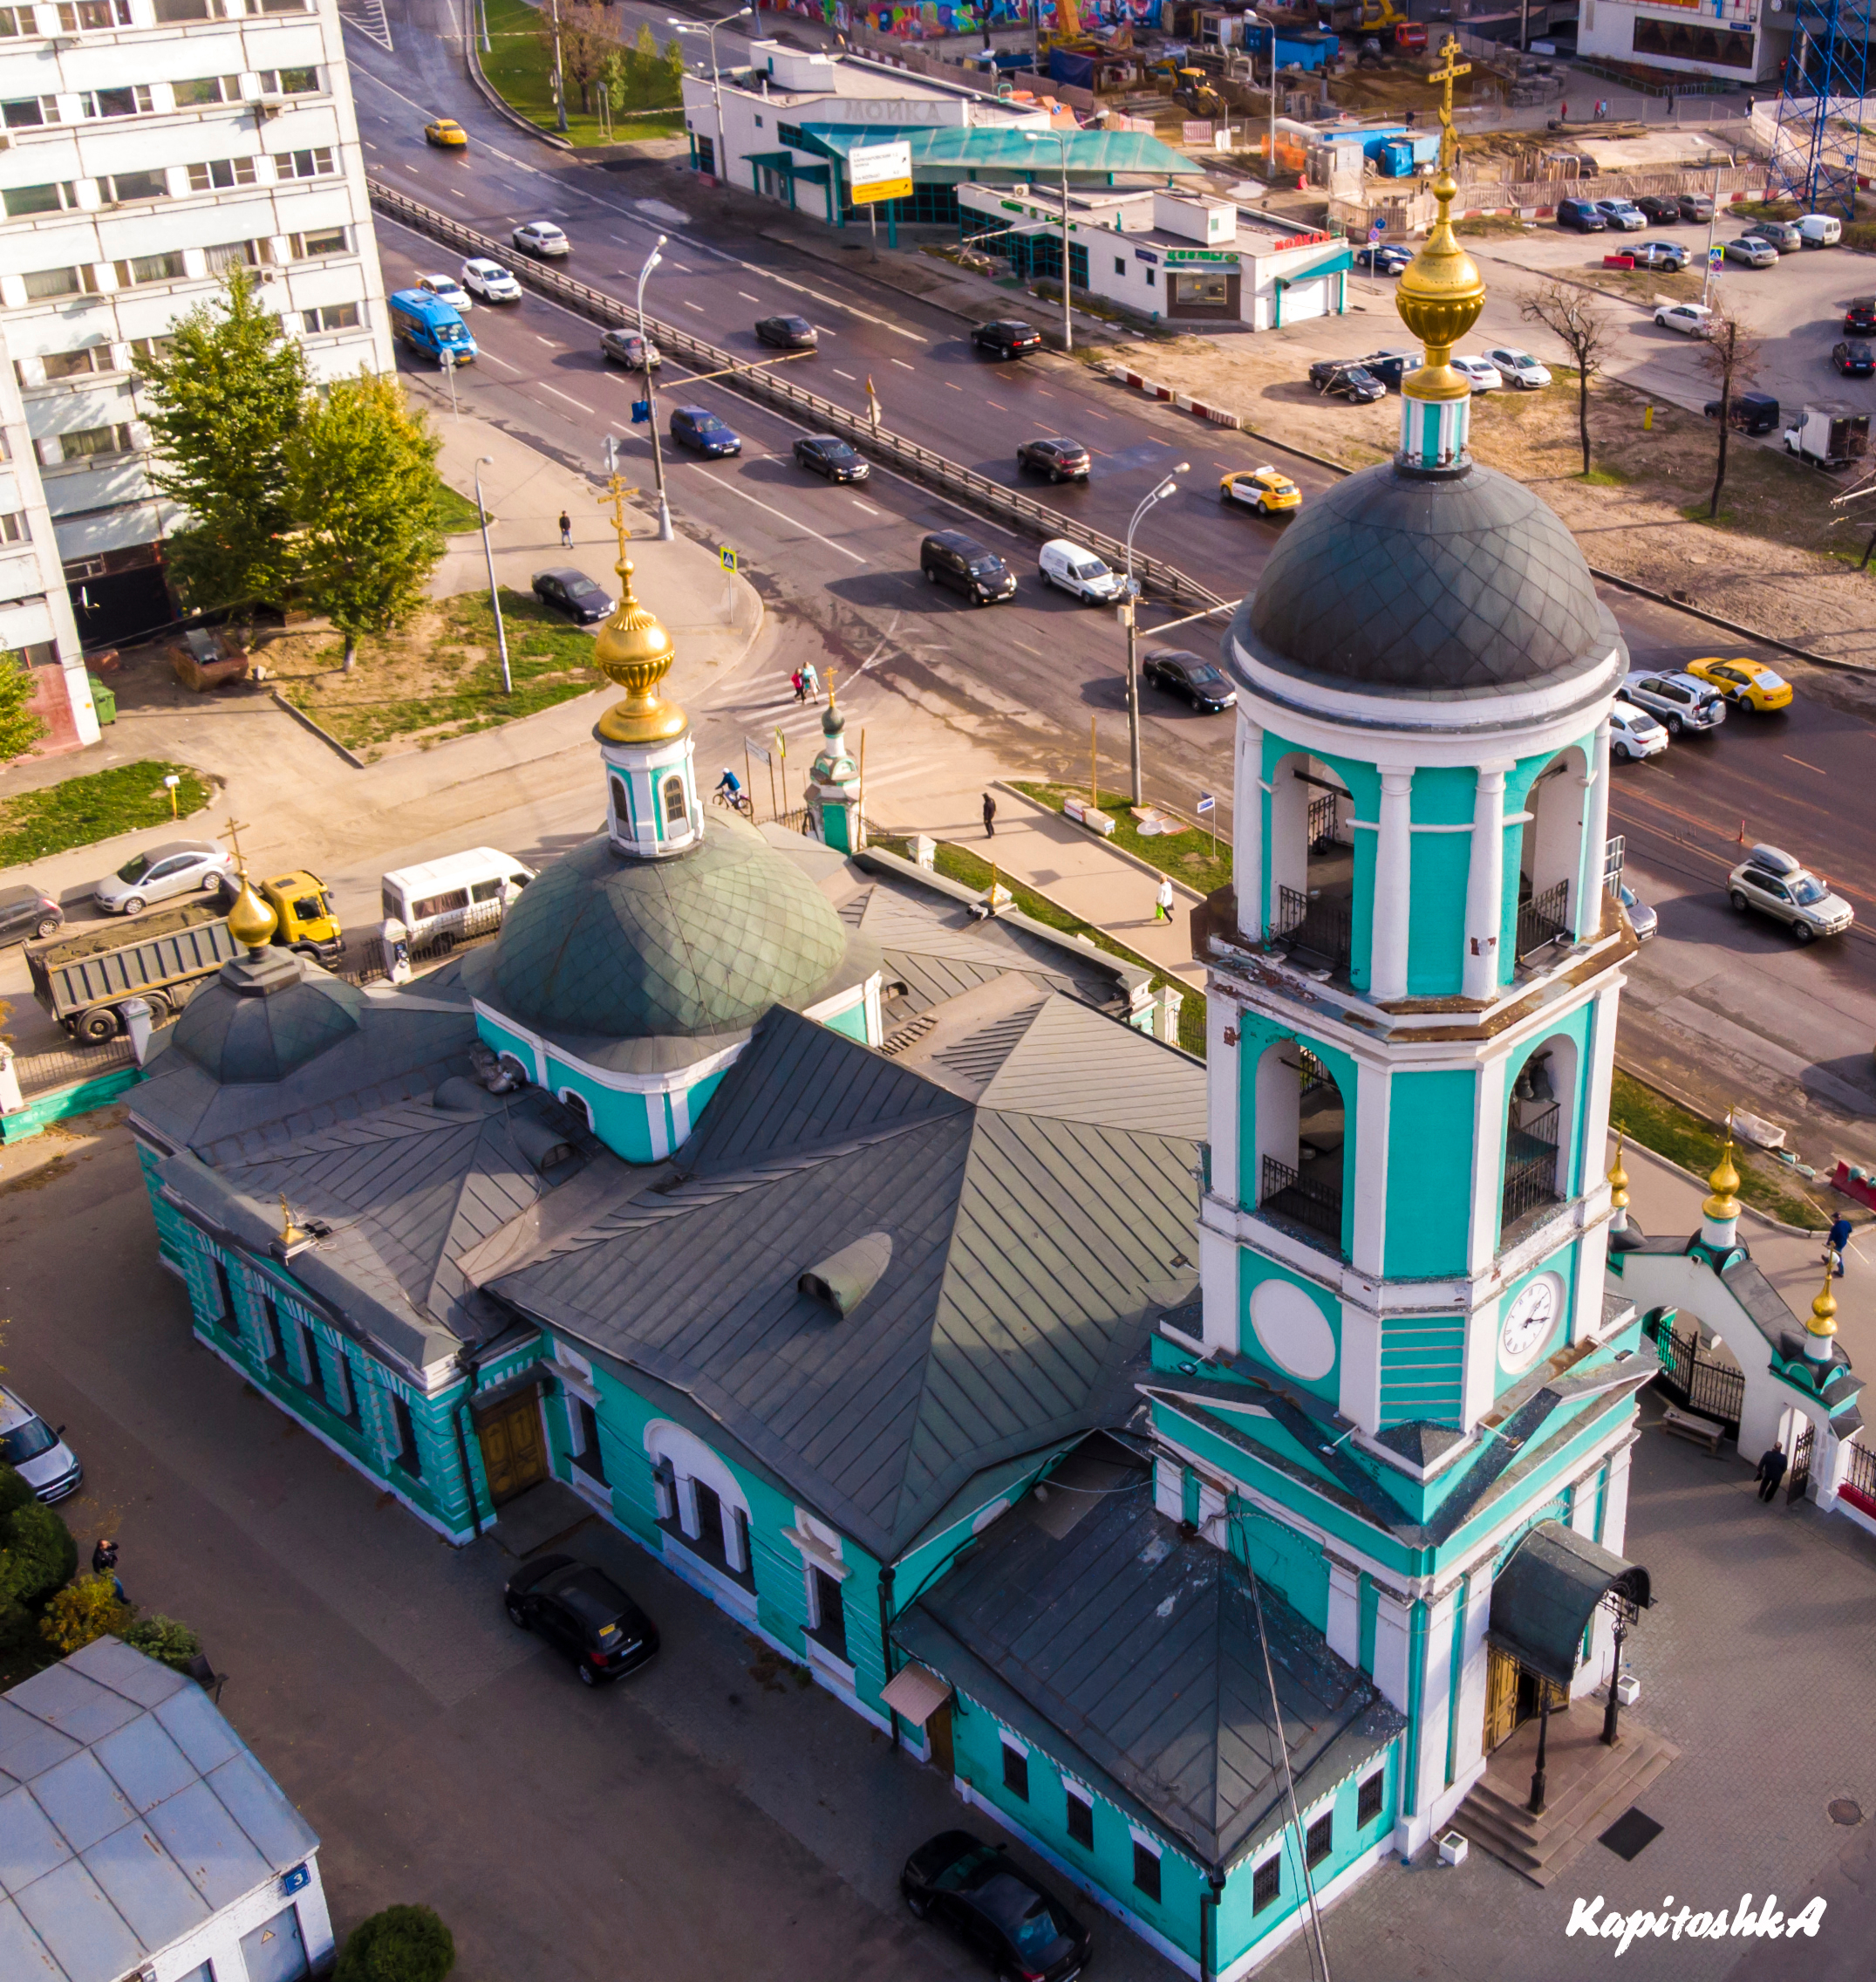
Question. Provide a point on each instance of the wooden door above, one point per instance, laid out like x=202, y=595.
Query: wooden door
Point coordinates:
x=1501, y=1697
x=514, y=1453
x=938, y=1733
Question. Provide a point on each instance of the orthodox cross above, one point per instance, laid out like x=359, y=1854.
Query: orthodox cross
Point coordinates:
x=1451, y=70
x=232, y=833
x=617, y=491
x=830, y=687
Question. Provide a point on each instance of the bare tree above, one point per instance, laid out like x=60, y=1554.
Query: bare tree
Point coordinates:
x=587, y=36
x=1731, y=355
x=1583, y=325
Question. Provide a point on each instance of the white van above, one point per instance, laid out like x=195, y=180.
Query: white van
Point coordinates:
x=440, y=897
x=1078, y=571
x=1821, y=230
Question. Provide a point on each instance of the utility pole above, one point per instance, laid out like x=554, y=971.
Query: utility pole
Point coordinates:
x=1169, y=487
x=495, y=591
x=560, y=76
x=1713, y=223
x=664, y=531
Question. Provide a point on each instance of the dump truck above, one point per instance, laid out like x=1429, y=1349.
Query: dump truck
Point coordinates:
x=1829, y=435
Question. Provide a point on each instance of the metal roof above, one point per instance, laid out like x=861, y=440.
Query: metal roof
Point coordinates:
x=130, y=1813
x=1128, y=1650
x=1543, y=1598
x=982, y=148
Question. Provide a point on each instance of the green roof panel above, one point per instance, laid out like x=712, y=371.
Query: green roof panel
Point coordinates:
x=948, y=148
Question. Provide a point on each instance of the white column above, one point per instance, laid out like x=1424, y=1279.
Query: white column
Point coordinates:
x=1469, y=1747
x=1393, y=861
x=1218, y=1287
x=1224, y=1094
x=1374, y=1091
x=1247, y=827
x=1485, y=889
x=1435, y=1701
x=1615, y=1501
x=1359, y=1380
x=1488, y=1161
x=1345, y=1611
x=1595, y=839
x=1480, y=1366
x=1393, y=1640
x=1169, y=1487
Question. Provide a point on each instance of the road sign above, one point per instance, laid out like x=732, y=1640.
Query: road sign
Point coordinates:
x=880, y=172
x=1376, y=232
x=641, y=413
x=781, y=744
x=725, y=558
x=1715, y=258
x=1206, y=802
x=755, y=749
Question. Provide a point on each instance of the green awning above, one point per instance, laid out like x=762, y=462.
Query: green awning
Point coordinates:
x=955, y=149
x=1543, y=1598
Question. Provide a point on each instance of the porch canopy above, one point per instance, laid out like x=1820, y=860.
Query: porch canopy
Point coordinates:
x=945, y=153
x=1543, y=1598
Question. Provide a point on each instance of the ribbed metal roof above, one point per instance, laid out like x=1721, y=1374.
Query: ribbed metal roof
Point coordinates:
x=987, y=149
x=240, y=1037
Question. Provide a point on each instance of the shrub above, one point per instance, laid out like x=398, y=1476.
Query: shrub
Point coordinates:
x=36, y=1551
x=83, y=1610
x=164, y=1638
x=403, y=1944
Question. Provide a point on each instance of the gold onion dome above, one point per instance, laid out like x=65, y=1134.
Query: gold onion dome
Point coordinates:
x=1442, y=292
x=635, y=651
x=1823, y=1319
x=1618, y=1180
x=250, y=921
x=1725, y=1202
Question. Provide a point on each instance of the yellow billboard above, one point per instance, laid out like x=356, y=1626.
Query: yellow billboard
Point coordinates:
x=880, y=172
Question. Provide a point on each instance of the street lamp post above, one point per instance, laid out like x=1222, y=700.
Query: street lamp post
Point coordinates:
x=560, y=76
x=495, y=596
x=1271, y=25
x=709, y=28
x=1061, y=139
x=651, y=394
x=1169, y=487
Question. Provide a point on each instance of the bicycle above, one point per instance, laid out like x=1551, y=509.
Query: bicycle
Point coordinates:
x=735, y=802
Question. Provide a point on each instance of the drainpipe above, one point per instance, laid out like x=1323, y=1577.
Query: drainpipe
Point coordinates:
x=885, y=1639
x=1208, y=1926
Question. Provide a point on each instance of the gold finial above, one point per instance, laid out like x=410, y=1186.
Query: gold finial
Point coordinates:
x=617, y=491
x=1823, y=1319
x=1618, y=1180
x=635, y=651
x=250, y=921
x=1441, y=293
x=1723, y=1205
x=290, y=1233
x=830, y=687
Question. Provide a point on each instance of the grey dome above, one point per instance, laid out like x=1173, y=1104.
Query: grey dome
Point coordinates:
x=265, y=1030
x=1394, y=583
x=605, y=946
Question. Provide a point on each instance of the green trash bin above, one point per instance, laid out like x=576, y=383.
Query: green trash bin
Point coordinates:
x=104, y=700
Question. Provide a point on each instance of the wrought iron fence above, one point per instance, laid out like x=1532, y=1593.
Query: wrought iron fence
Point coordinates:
x=1318, y=923
x=63, y=1065
x=1316, y=1207
x=369, y=961
x=1697, y=1381
x=1531, y=1165
x=1859, y=1475
x=1324, y=831
x=1540, y=920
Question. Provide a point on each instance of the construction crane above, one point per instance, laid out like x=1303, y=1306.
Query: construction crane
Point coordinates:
x=1814, y=148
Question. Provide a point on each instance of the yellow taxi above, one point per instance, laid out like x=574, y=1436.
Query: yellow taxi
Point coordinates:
x=1746, y=683
x=446, y=132
x=1261, y=489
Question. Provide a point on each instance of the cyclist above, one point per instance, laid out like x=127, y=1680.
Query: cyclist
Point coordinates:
x=729, y=788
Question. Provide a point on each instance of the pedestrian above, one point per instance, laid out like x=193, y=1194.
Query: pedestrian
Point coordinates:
x=1162, y=901
x=1772, y=1471
x=104, y=1562
x=1838, y=1239
x=566, y=531
x=813, y=680
x=990, y=817
x=799, y=681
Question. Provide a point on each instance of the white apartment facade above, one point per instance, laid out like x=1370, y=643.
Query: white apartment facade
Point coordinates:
x=1732, y=41
x=148, y=145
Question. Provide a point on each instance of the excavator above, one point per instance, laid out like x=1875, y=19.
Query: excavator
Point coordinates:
x=1198, y=96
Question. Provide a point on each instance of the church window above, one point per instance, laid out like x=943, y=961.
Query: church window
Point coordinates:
x=406, y=1455
x=1146, y=1868
x=576, y=1105
x=230, y=1320
x=586, y=1455
x=1538, y=1132
x=621, y=808
x=1368, y=1799
x=1016, y=1770
x=828, y=1621
x=1266, y=1883
x=677, y=818
x=1301, y=1140
x=1081, y=1819
x=1321, y=1839
x=1550, y=859
x=1310, y=912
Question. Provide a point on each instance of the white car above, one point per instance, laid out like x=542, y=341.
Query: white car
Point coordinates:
x=541, y=237
x=490, y=281
x=445, y=289
x=1689, y=318
x=1078, y=571
x=177, y=867
x=36, y=1452
x=1634, y=733
x=1485, y=376
x=1520, y=368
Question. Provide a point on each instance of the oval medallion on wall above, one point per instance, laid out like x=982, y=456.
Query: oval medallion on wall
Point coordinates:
x=1294, y=1332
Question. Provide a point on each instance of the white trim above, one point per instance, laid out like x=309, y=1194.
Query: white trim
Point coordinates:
x=1286, y=1930
x=1146, y=1840
x=676, y=1081
x=1010, y=1739
x=707, y=1579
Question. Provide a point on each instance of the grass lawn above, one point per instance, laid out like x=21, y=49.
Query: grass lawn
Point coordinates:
x=521, y=68
x=454, y=513
x=1188, y=857
x=1650, y=1118
x=93, y=807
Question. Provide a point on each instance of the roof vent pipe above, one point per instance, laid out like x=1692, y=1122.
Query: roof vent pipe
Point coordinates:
x=844, y=1279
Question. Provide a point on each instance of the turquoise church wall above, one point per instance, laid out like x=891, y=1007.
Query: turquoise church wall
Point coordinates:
x=1254, y=1270
x=1256, y=1036
x=1430, y=1126
x=1441, y=862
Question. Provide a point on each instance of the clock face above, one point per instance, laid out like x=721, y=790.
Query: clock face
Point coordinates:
x=1529, y=1321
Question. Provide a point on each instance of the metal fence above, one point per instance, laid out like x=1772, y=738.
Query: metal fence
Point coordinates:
x=1540, y=920
x=1316, y=1207
x=907, y=457
x=1714, y=1390
x=1859, y=1476
x=63, y=1065
x=369, y=961
x=1531, y=1165
x=1318, y=923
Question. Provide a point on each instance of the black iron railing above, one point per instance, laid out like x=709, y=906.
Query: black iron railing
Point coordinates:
x=1531, y=1165
x=1859, y=1475
x=1317, y=923
x=1316, y=1206
x=1540, y=920
x=1323, y=831
x=1697, y=1382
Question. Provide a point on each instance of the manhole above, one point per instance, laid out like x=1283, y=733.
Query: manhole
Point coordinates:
x=1841, y=1810
x=1630, y=1834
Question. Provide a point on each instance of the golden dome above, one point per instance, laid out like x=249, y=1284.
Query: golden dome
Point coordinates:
x=1441, y=293
x=1723, y=1205
x=250, y=921
x=635, y=651
x=1823, y=1309
x=1618, y=1181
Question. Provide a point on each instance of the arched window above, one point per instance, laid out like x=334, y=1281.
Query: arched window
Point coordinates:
x=677, y=817
x=575, y=1105
x=1539, y=1132
x=1301, y=1143
x=1312, y=861
x=1551, y=856
x=621, y=809
x=707, y=1505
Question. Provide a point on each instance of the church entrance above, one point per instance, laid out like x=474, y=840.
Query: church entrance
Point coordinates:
x=1513, y=1696
x=514, y=1452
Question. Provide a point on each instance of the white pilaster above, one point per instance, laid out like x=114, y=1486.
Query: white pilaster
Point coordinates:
x=1484, y=891
x=1247, y=827
x=1488, y=1160
x=1345, y=1611
x=1615, y=1501
x=1393, y=860
x=1359, y=1380
x=1595, y=839
x=1436, y=1699
x=1218, y=1287
x=1480, y=1377
x=1393, y=1645
x=1469, y=1745
x=1169, y=1487
x=1224, y=1095
x=1374, y=1091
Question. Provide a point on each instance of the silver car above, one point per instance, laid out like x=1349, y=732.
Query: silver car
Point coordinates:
x=1771, y=880
x=177, y=867
x=1677, y=699
x=36, y=1452
x=1755, y=253
x=1642, y=916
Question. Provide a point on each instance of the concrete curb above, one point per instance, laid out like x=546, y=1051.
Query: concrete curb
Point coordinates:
x=325, y=735
x=502, y=107
x=1179, y=887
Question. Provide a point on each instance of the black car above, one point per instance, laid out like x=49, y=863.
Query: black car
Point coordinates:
x=1853, y=358
x=1664, y=208
x=1342, y=381
x=1060, y=460
x=949, y=557
x=582, y=1612
x=1010, y=1923
x=1391, y=367
x=792, y=333
x=571, y=593
x=699, y=429
x=1859, y=317
x=1007, y=338
x=1668, y=254
x=28, y=911
x=826, y=454
x=629, y=349
x=1751, y=412
x=1202, y=682
x=1583, y=215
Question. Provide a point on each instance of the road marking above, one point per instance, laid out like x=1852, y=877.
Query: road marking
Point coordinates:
x=748, y=297
x=520, y=165
x=783, y=514
x=994, y=403
x=503, y=362
x=1092, y=414
x=1801, y=765
x=410, y=168
x=568, y=397
x=821, y=330
x=549, y=342
x=688, y=305
x=1029, y=650
x=950, y=387
x=838, y=373
x=903, y=366
x=368, y=146
x=868, y=507
x=1045, y=392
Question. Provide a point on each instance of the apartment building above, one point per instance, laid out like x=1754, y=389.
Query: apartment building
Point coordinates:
x=146, y=146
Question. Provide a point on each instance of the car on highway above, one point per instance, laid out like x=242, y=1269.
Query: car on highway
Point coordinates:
x=177, y=867
x=1058, y=458
x=629, y=349
x=1683, y=703
x=787, y=333
x=1773, y=882
x=1585, y=216
x=1664, y=256
x=1784, y=235
x=1338, y=378
x=1013, y=1925
x=27, y=910
x=1201, y=682
x=1642, y=916
x=949, y=557
x=699, y=429
x=446, y=133
x=490, y=281
x=1689, y=318
x=1751, y=412
x=1755, y=253
x=36, y=1452
x=445, y=289
x=1859, y=317
x=1391, y=367
x=1007, y=338
x=827, y=454
x=1265, y=490
x=541, y=237
x=1622, y=215
x=1070, y=569
x=1745, y=683
x=1664, y=208
x=1697, y=206
x=1634, y=734
x=1520, y=368
x=1854, y=358
x=584, y=1615
x=564, y=589
x=1382, y=259
x=1482, y=373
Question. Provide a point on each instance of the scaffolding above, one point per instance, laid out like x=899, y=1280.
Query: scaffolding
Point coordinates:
x=1814, y=150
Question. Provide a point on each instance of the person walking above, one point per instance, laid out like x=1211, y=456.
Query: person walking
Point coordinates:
x=103, y=1563
x=566, y=531
x=1162, y=901
x=798, y=681
x=1838, y=1240
x=990, y=817
x=1772, y=1471
x=813, y=680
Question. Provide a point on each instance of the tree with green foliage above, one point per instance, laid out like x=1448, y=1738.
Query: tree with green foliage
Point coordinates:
x=36, y=1551
x=403, y=1944
x=361, y=478
x=19, y=728
x=86, y=1608
x=224, y=400
x=162, y=1638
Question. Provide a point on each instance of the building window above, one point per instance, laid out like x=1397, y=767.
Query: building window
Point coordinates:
x=88, y=441
x=1266, y=1883
x=328, y=241
x=1150, y=275
x=1016, y=1770
x=61, y=365
x=586, y=1439
x=1120, y=264
x=341, y=1392
x=406, y=1455
x=1368, y=1801
x=220, y=172
x=829, y=1624
x=169, y=13
x=14, y=528
x=225, y=1292
x=206, y=89
x=21, y=114
x=92, y=14
x=333, y=316
x=1081, y=1819
x=289, y=82
x=133, y=101
x=1146, y=1869
x=24, y=199
x=142, y=268
x=17, y=21
x=284, y=6
x=677, y=818
x=43, y=284
x=121, y=187
x=143, y=350
x=790, y=135
x=232, y=255
x=273, y=1337
x=1321, y=1840
x=313, y=164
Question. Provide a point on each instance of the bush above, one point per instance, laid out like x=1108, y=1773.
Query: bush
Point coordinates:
x=163, y=1638
x=36, y=1551
x=403, y=1944
x=82, y=1611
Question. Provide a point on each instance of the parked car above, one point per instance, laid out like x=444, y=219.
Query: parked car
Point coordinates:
x=1859, y=317
x=1854, y=358
x=1068, y=568
x=564, y=589
x=438, y=900
x=541, y=237
x=1060, y=460
x=949, y=557
x=1820, y=230
x=1664, y=208
x=1265, y=490
x=177, y=867
x=1784, y=235
x=1520, y=368
x=1622, y=215
x=1484, y=375
x=1014, y=1926
x=1751, y=412
x=1642, y=916
x=1744, y=682
x=36, y=1452
x=826, y=454
x=444, y=133
x=490, y=281
x=1337, y=378
x=1381, y=258
x=1660, y=254
x=1202, y=682
x=1697, y=206
x=1007, y=338
x=1681, y=702
x=1585, y=216
x=1771, y=881
x=27, y=910
x=1755, y=253
x=1634, y=734
x=1689, y=318
x=699, y=429
x=584, y=1615
x=1391, y=367
x=447, y=289
x=789, y=333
